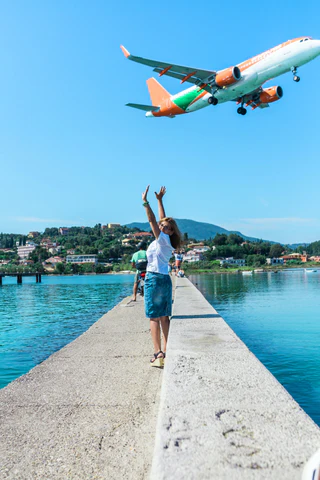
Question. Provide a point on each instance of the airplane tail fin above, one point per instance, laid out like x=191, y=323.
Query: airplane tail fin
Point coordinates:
x=157, y=92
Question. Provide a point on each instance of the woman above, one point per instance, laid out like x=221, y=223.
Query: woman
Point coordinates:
x=178, y=256
x=158, y=286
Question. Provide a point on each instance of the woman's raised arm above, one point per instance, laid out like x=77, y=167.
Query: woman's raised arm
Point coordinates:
x=151, y=216
x=160, y=204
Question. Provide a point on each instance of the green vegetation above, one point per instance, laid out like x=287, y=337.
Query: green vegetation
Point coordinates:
x=254, y=254
x=105, y=243
x=114, y=254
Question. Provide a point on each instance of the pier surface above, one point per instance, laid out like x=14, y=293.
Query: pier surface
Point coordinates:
x=90, y=410
x=222, y=414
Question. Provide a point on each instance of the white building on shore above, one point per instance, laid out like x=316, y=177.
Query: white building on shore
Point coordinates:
x=25, y=250
x=240, y=262
x=192, y=256
x=275, y=261
x=82, y=259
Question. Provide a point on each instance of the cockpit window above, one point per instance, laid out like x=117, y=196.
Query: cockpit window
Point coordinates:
x=301, y=40
x=306, y=39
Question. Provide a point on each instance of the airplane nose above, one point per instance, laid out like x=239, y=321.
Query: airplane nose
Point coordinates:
x=316, y=45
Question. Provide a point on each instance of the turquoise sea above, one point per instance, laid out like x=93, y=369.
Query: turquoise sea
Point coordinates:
x=277, y=315
x=37, y=319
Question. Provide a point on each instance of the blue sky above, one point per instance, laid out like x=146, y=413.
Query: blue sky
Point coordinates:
x=71, y=153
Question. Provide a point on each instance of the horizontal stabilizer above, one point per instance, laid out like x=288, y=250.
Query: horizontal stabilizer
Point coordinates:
x=146, y=108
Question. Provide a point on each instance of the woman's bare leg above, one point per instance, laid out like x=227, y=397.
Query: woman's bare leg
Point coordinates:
x=165, y=324
x=155, y=334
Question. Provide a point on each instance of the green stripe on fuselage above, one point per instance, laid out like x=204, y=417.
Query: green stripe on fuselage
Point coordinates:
x=185, y=100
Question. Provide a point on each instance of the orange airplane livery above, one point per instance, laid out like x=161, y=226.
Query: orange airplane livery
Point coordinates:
x=241, y=83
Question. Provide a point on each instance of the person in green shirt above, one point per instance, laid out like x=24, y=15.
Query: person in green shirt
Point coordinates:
x=139, y=256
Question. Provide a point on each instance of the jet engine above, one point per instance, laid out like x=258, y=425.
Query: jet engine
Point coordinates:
x=228, y=76
x=271, y=94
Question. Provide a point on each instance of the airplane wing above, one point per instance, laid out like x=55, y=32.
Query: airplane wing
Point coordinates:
x=192, y=75
x=253, y=99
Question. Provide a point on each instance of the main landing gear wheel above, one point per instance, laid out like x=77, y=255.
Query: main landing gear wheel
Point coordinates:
x=242, y=111
x=296, y=78
x=212, y=100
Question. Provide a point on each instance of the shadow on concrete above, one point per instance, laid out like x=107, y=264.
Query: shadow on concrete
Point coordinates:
x=209, y=315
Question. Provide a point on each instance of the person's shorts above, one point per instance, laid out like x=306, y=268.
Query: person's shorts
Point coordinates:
x=136, y=277
x=178, y=263
x=157, y=295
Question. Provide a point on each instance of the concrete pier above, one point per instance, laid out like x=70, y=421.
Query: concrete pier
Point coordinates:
x=222, y=414
x=90, y=410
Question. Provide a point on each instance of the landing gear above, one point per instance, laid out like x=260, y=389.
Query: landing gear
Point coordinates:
x=212, y=100
x=242, y=111
x=295, y=76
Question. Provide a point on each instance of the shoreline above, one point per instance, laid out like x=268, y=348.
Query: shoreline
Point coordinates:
x=253, y=270
x=271, y=269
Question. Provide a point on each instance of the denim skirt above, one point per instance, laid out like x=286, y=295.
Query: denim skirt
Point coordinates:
x=157, y=295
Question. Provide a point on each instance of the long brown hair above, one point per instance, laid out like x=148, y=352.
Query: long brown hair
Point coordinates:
x=175, y=237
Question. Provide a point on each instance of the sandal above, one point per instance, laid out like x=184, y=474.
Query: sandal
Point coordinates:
x=157, y=361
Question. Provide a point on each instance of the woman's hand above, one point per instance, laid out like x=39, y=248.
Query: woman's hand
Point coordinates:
x=161, y=193
x=145, y=194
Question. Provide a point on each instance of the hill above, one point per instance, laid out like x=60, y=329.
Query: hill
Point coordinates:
x=197, y=230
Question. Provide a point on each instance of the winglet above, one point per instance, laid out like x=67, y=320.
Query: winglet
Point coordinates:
x=125, y=51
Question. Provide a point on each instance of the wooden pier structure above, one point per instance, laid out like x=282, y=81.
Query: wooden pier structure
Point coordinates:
x=20, y=275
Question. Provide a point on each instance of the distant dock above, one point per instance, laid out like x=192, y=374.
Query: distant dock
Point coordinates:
x=20, y=275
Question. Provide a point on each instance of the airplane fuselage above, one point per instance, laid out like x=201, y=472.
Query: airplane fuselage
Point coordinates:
x=254, y=72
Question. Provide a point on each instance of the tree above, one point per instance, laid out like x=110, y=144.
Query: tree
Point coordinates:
x=88, y=267
x=276, y=250
x=224, y=251
x=51, y=232
x=234, y=239
x=39, y=254
x=255, y=260
x=314, y=248
x=263, y=248
x=60, y=267
x=220, y=239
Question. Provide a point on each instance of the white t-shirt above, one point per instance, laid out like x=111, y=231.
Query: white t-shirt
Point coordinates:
x=159, y=254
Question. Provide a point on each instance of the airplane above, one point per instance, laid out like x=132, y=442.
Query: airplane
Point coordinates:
x=241, y=83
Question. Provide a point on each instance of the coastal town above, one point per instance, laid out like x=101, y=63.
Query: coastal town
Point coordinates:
x=109, y=248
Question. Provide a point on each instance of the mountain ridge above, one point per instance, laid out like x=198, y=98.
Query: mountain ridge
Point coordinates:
x=197, y=230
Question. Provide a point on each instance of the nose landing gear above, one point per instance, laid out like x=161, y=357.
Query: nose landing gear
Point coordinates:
x=295, y=76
